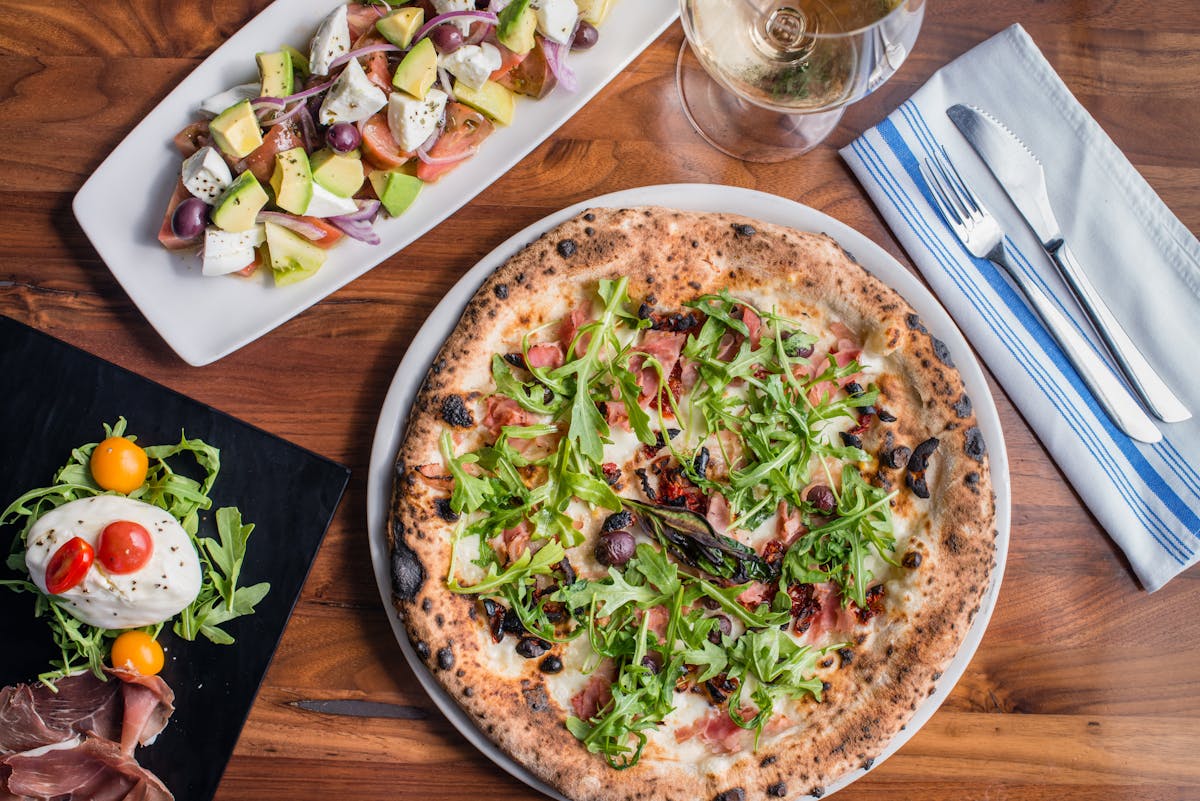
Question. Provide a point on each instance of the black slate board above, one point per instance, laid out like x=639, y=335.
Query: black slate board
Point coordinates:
x=56, y=397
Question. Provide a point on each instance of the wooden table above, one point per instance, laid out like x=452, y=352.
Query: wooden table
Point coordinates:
x=1085, y=687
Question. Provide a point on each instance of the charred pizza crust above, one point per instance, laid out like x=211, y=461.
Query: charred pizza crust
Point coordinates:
x=671, y=256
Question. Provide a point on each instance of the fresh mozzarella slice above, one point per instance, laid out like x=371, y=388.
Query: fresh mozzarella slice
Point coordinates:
x=229, y=251
x=206, y=175
x=219, y=102
x=446, y=6
x=326, y=204
x=331, y=40
x=472, y=64
x=413, y=120
x=555, y=18
x=352, y=97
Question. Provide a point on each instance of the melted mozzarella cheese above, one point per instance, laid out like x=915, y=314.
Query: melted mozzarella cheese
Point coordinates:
x=157, y=591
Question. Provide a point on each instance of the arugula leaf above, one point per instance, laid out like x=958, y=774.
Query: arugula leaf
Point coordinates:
x=780, y=668
x=220, y=599
x=529, y=564
x=470, y=491
x=531, y=396
x=836, y=550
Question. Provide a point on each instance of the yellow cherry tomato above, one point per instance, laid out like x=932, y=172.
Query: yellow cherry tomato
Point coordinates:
x=118, y=464
x=137, y=650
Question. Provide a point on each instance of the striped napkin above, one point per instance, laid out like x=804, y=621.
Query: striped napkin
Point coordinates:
x=1143, y=261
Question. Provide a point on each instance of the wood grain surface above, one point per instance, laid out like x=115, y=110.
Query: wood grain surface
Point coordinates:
x=1085, y=687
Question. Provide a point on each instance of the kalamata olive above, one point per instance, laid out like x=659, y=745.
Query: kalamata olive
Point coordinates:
x=585, y=36
x=821, y=497
x=446, y=38
x=343, y=137
x=190, y=218
x=551, y=664
x=851, y=440
x=615, y=548
x=724, y=627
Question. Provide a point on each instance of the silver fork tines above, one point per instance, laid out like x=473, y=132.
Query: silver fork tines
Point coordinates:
x=982, y=236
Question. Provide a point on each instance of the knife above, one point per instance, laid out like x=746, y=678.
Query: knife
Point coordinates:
x=1020, y=174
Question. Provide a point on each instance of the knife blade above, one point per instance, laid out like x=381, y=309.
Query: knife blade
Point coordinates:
x=1021, y=176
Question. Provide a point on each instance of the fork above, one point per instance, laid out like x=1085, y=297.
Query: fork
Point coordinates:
x=982, y=236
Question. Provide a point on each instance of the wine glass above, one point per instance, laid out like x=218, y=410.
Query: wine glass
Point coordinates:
x=767, y=80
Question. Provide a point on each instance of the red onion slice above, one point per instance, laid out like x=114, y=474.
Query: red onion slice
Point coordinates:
x=358, y=225
x=486, y=16
x=363, y=51
x=556, y=60
x=428, y=159
x=292, y=223
x=309, y=92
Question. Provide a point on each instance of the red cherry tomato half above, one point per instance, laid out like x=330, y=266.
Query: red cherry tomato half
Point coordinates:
x=125, y=546
x=69, y=565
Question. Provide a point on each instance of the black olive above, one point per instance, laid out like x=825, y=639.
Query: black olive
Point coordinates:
x=615, y=548
x=621, y=519
x=851, y=440
x=916, y=483
x=912, y=559
x=724, y=627
x=652, y=661
x=897, y=457
x=531, y=647
x=920, y=455
x=512, y=622
x=821, y=497
x=853, y=389
x=551, y=664
x=700, y=462
x=885, y=416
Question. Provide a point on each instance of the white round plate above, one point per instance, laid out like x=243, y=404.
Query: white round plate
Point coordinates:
x=688, y=197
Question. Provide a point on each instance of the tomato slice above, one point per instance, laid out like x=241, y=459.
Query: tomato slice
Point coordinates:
x=192, y=138
x=276, y=139
x=465, y=129
x=508, y=60
x=125, y=547
x=69, y=565
x=380, y=148
x=361, y=19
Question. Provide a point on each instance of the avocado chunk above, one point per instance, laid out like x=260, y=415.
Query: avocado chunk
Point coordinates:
x=238, y=205
x=518, y=21
x=340, y=173
x=275, y=70
x=400, y=26
x=593, y=11
x=235, y=130
x=491, y=99
x=417, y=70
x=395, y=189
x=292, y=180
x=299, y=60
x=293, y=258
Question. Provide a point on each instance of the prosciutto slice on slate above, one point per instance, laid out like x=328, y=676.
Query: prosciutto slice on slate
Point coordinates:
x=77, y=743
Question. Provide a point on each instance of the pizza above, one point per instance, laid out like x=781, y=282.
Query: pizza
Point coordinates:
x=689, y=505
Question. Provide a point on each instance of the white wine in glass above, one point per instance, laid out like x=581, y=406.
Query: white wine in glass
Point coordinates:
x=766, y=80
